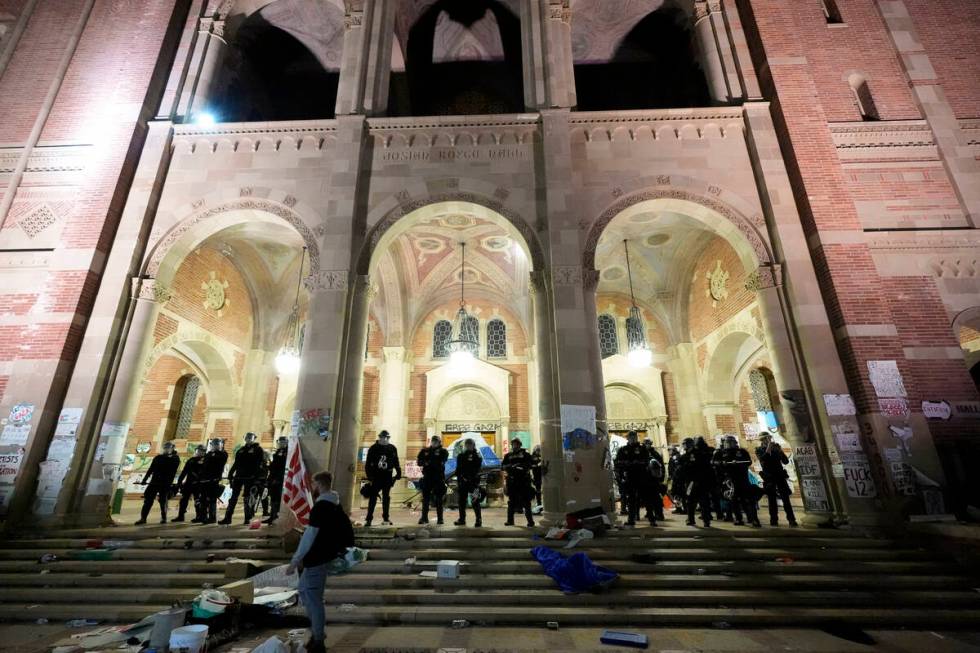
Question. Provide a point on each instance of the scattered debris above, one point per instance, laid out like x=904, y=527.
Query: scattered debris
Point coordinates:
x=577, y=573
x=721, y=625
x=46, y=558
x=410, y=561
x=620, y=638
x=41, y=621
x=271, y=645
x=460, y=623
x=81, y=623
x=428, y=574
x=347, y=607
x=552, y=625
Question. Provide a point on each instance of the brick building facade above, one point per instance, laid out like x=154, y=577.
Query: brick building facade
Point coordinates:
x=191, y=188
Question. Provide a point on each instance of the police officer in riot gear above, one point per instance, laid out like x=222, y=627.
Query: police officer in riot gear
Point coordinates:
x=161, y=473
x=468, y=466
x=277, y=476
x=657, y=472
x=517, y=463
x=774, y=483
x=537, y=472
x=677, y=483
x=382, y=469
x=243, y=475
x=734, y=464
x=213, y=469
x=632, y=460
x=189, y=485
x=432, y=461
x=695, y=466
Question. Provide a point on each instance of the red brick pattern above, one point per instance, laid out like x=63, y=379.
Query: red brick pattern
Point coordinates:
x=704, y=313
x=157, y=405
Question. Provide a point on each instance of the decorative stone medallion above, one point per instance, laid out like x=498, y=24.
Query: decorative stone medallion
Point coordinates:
x=214, y=293
x=717, y=284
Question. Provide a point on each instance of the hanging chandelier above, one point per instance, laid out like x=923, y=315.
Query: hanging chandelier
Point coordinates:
x=463, y=344
x=287, y=361
x=639, y=354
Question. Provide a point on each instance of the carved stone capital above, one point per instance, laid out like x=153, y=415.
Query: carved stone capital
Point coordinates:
x=567, y=275
x=353, y=19
x=765, y=276
x=330, y=280
x=150, y=290
x=393, y=354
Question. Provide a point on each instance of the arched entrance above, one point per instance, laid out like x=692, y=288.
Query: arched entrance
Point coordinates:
x=703, y=302
x=411, y=385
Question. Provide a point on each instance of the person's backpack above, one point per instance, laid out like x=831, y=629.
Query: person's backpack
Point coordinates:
x=656, y=469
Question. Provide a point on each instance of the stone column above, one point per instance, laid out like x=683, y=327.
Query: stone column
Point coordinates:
x=392, y=397
x=365, y=67
x=683, y=369
x=710, y=56
x=549, y=80
x=205, y=85
x=547, y=406
x=347, y=415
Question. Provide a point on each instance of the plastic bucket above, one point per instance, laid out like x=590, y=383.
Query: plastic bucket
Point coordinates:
x=213, y=601
x=188, y=639
x=163, y=624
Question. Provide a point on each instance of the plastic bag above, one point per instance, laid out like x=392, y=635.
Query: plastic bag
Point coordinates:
x=271, y=645
x=577, y=573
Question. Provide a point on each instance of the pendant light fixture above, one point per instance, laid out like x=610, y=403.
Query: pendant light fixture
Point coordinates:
x=463, y=344
x=639, y=354
x=287, y=361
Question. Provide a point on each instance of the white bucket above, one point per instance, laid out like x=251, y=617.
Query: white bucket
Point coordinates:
x=163, y=624
x=188, y=639
x=214, y=601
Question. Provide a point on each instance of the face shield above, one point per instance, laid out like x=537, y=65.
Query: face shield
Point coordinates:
x=250, y=438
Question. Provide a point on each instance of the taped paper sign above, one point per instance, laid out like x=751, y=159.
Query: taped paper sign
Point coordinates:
x=837, y=470
x=114, y=429
x=10, y=466
x=61, y=448
x=839, y=405
x=814, y=495
x=937, y=410
x=15, y=434
x=68, y=422
x=886, y=379
x=807, y=464
x=857, y=476
x=894, y=407
x=578, y=427
x=21, y=414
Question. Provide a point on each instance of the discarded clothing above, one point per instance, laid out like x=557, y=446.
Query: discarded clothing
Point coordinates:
x=577, y=573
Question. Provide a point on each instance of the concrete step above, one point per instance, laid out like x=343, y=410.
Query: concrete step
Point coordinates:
x=173, y=555
x=673, y=529
x=140, y=567
x=264, y=543
x=150, y=581
x=119, y=613
x=640, y=540
x=105, y=596
x=519, y=581
x=661, y=598
x=698, y=567
x=747, y=617
x=610, y=552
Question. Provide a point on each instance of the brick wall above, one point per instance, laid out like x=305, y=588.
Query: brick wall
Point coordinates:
x=948, y=29
x=157, y=402
x=618, y=306
x=233, y=322
x=704, y=313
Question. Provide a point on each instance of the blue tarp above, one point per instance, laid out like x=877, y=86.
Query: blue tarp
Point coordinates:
x=577, y=573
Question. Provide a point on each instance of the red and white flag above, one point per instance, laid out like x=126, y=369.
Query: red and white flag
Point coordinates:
x=296, y=489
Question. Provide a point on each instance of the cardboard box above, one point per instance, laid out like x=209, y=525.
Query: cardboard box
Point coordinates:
x=447, y=569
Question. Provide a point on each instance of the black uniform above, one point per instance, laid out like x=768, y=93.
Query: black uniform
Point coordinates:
x=244, y=474
x=432, y=461
x=161, y=473
x=695, y=467
x=774, y=482
x=468, y=466
x=653, y=495
x=632, y=460
x=189, y=484
x=214, y=469
x=382, y=469
x=734, y=464
x=677, y=482
x=518, y=465
x=537, y=475
x=277, y=475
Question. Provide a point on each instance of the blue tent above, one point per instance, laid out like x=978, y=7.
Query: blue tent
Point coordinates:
x=490, y=459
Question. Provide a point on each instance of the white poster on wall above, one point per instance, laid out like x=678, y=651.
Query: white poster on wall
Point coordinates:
x=15, y=435
x=839, y=405
x=857, y=476
x=9, y=466
x=886, y=379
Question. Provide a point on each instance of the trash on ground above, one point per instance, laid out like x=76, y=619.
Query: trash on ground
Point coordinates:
x=118, y=544
x=786, y=560
x=81, y=623
x=552, y=625
x=555, y=533
x=210, y=603
x=349, y=560
x=46, y=558
x=460, y=623
x=428, y=574
x=271, y=645
x=255, y=525
x=721, y=625
x=284, y=598
x=577, y=573
x=410, y=561
x=347, y=607
x=620, y=638
x=576, y=536
x=189, y=638
x=275, y=577
x=448, y=569
x=41, y=621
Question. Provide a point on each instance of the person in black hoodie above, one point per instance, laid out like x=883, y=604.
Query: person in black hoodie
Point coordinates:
x=382, y=469
x=211, y=473
x=189, y=485
x=468, y=466
x=243, y=475
x=277, y=475
x=432, y=461
x=161, y=473
x=695, y=465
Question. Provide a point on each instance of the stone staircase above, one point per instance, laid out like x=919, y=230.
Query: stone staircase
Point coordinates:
x=122, y=573
x=722, y=576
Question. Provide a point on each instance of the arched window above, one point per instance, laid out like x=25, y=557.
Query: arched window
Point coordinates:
x=496, y=339
x=863, y=99
x=608, y=340
x=634, y=333
x=760, y=391
x=831, y=12
x=182, y=408
x=471, y=329
x=441, y=335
